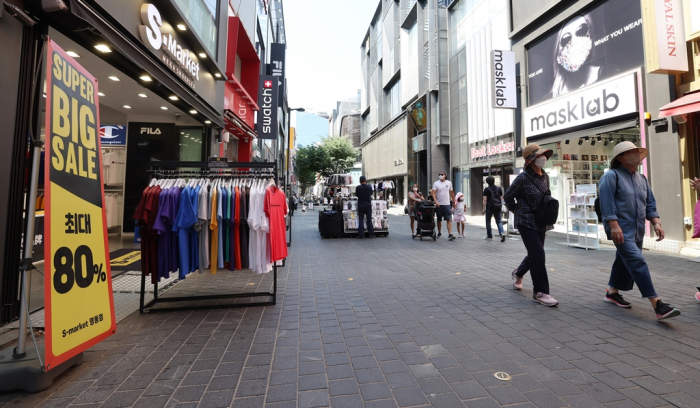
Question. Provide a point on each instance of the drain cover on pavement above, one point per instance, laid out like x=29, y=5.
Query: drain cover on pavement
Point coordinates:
x=502, y=376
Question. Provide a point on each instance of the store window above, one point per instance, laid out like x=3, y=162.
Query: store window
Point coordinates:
x=202, y=16
x=582, y=161
x=191, y=142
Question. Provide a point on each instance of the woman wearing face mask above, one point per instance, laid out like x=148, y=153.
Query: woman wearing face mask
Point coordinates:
x=573, y=53
x=529, y=189
x=414, y=196
x=623, y=192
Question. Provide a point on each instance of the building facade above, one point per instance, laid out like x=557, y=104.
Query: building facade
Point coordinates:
x=583, y=87
x=482, y=138
x=404, y=104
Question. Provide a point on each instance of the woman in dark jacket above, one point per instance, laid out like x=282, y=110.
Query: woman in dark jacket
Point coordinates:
x=528, y=189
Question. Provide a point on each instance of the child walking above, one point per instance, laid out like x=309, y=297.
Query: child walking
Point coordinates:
x=458, y=214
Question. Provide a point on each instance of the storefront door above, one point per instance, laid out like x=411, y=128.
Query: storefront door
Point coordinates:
x=501, y=176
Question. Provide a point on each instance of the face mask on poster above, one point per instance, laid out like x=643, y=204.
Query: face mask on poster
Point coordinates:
x=575, y=53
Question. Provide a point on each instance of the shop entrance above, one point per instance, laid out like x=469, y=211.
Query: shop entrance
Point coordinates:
x=501, y=175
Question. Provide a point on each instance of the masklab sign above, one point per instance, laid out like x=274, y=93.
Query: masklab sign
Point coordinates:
x=490, y=150
x=607, y=100
x=503, y=79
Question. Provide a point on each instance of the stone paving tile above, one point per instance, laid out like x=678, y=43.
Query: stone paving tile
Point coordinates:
x=402, y=335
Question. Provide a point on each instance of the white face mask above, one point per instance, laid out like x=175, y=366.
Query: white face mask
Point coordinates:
x=575, y=53
x=442, y=176
x=541, y=161
x=415, y=189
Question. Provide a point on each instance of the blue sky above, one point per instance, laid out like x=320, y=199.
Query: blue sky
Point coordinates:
x=323, y=50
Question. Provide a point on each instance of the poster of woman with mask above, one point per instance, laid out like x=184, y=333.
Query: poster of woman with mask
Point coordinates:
x=588, y=47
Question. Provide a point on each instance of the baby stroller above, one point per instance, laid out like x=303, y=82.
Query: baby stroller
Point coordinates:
x=425, y=216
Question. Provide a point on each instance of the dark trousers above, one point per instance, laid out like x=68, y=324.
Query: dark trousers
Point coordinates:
x=363, y=211
x=494, y=212
x=534, y=261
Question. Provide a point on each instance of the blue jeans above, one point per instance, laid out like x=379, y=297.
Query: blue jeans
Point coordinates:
x=630, y=268
x=494, y=212
x=365, y=211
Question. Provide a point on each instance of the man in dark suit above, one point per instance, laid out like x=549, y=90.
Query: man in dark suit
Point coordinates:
x=364, y=207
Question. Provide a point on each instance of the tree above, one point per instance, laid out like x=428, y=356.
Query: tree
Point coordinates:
x=341, y=154
x=310, y=160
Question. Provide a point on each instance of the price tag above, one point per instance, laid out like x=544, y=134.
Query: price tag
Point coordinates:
x=78, y=286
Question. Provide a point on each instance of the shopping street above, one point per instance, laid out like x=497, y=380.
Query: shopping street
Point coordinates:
x=398, y=322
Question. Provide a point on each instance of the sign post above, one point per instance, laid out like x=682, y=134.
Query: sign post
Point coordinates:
x=79, y=307
x=78, y=284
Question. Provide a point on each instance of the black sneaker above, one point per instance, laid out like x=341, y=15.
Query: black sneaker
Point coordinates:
x=616, y=299
x=451, y=237
x=503, y=238
x=439, y=234
x=664, y=311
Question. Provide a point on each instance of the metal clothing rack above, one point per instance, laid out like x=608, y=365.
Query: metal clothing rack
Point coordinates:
x=159, y=168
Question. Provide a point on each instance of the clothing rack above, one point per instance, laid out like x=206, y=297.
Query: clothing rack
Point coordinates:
x=159, y=168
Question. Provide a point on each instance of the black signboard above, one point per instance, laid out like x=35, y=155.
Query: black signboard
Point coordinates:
x=599, y=43
x=218, y=162
x=267, y=101
x=277, y=69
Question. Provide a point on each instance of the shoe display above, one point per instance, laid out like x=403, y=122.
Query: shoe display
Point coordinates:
x=517, y=281
x=544, y=299
x=664, y=311
x=503, y=238
x=451, y=237
x=616, y=299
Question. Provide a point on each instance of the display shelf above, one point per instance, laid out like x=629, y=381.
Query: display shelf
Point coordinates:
x=582, y=228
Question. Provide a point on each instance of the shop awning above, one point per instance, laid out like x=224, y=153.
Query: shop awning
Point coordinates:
x=687, y=104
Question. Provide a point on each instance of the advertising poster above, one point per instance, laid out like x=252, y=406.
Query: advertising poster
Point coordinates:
x=78, y=284
x=599, y=43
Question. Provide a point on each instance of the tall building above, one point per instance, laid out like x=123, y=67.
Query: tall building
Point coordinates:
x=310, y=128
x=346, y=120
x=476, y=28
x=405, y=105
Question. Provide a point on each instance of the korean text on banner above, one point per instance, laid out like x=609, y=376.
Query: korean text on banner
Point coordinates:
x=78, y=284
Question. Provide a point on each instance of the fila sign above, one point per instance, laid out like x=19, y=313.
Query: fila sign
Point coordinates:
x=604, y=101
x=180, y=60
x=267, y=126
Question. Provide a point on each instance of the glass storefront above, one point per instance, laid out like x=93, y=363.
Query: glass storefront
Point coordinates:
x=582, y=161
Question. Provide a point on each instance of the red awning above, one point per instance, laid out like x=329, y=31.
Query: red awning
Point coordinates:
x=687, y=104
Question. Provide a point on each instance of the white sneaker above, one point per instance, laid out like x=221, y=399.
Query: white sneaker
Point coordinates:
x=544, y=299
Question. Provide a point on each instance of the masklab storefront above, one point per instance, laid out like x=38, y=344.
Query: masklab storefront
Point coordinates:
x=587, y=91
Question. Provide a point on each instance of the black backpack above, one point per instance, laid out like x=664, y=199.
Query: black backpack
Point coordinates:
x=547, y=211
x=495, y=197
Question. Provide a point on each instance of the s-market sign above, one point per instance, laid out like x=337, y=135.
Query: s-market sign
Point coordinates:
x=179, y=59
x=267, y=115
x=607, y=100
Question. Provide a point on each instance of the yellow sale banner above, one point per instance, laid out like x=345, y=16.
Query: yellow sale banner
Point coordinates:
x=79, y=306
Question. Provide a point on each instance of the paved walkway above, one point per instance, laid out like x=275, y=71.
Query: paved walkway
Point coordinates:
x=398, y=322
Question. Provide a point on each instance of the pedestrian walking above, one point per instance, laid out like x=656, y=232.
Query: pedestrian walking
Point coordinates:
x=303, y=205
x=414, y=197
x=493, y=200
x=529, y=189
x=364, y=207
x=292, y=204
x=626, y=201
x=443, y=195
x=458, y=214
